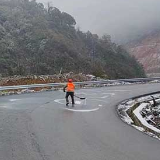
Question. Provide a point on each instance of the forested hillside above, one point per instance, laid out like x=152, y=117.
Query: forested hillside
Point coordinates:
x=43, y=40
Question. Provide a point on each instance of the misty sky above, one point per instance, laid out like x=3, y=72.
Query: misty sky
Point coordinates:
x=122, y=19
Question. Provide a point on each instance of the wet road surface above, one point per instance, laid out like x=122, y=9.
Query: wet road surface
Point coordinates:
x=38, y=126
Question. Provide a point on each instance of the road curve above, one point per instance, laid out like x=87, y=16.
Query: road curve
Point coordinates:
x=39, y=127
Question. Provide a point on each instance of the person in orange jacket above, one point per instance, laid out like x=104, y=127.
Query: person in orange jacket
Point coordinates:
x=70, y=91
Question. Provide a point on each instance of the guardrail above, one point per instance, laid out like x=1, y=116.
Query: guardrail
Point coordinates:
x=78, y=83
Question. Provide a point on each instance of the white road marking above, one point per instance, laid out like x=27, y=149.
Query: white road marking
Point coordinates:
x=95, y=99
x=13, y=100
x=78, y=102
x=58, y=101
x=112, y=94
x=104, y=97
x=62, y=101
x=86, y=93
x=5, y=106
x=91, y=110
x=118, y=90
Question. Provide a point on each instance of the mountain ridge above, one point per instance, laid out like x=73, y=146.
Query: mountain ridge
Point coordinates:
x=147, y=52
x=38, y=40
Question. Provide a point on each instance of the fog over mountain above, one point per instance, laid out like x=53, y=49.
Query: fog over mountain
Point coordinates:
x=124, y=20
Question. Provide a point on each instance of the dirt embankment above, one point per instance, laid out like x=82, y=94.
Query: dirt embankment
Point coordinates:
x=20, y=80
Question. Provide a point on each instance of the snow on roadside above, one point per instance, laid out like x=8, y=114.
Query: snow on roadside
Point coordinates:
x=145, y=102
x=139, y=128
x=142, y=120
x=124, y=115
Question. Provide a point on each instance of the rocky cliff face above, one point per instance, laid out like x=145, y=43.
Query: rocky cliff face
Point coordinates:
x=147, y=51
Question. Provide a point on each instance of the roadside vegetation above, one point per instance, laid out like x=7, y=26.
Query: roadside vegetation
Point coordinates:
x=38, y=40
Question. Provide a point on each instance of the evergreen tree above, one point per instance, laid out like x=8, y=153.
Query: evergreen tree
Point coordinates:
x=39, y=40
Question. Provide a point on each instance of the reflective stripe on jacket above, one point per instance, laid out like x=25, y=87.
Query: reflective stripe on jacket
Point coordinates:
x=70, y=87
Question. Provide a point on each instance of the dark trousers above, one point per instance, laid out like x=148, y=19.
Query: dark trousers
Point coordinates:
x=71, y=94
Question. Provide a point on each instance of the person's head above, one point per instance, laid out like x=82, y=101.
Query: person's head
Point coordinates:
x=70, y=80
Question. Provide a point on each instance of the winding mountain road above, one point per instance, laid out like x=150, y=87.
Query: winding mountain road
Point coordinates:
x=39, y=127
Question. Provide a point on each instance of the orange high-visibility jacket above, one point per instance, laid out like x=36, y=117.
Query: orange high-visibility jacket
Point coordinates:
x=70, y=87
